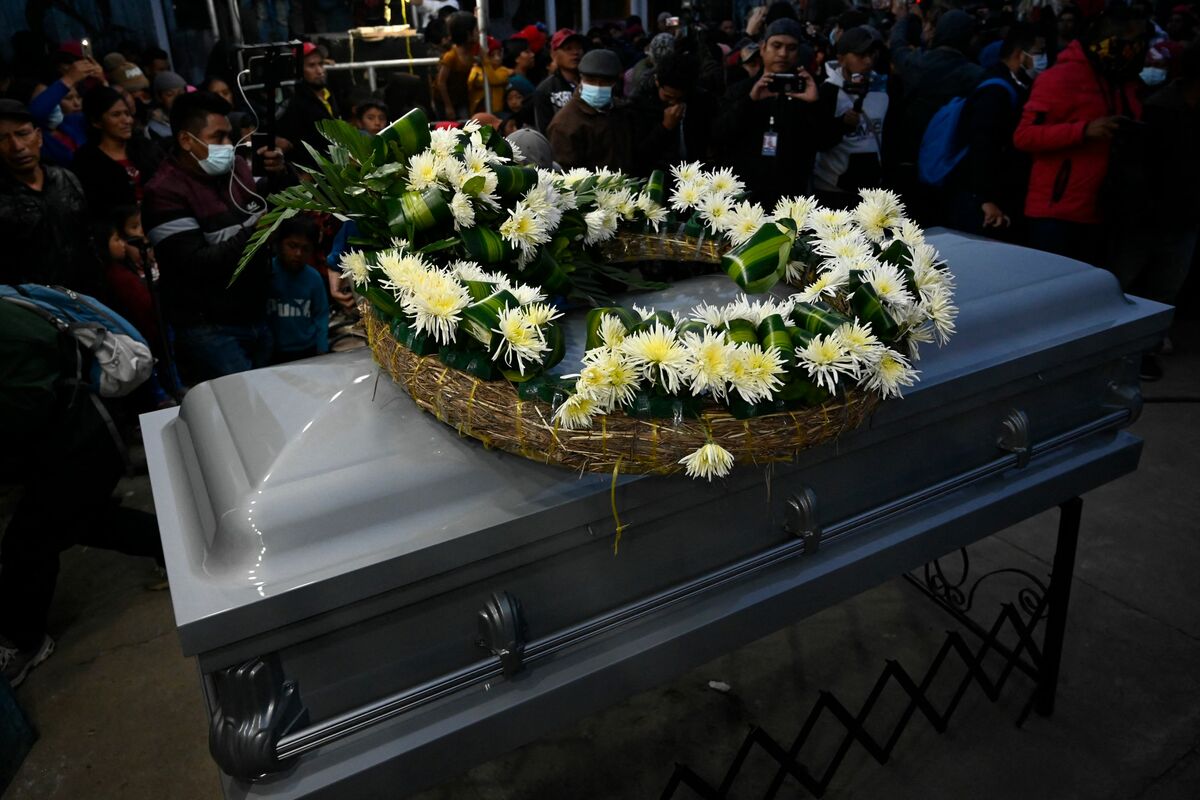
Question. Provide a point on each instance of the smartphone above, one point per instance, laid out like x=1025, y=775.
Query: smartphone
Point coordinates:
x=85, y=47
x=672, y=22
x=787, y=83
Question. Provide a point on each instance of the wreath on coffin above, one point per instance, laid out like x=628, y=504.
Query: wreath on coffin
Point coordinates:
x=474, y=271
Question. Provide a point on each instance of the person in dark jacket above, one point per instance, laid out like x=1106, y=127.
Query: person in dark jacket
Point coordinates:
x=674, y=117
x=1076, y=109
x=43, y=211
x=566, y=49
x=929, y=78
x=592, y=130
x=986, y=192
x=199, y=216
x=115, y=165
x=767, y=136
x=311, y=103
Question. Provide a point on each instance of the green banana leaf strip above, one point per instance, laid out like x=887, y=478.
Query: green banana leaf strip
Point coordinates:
x=416, y=211
x=867, y=304
x=656, y=186
x=800, y=391
x=800, y=337
x=513, y=181
x=484, y=245
x=896, y=254
x=558, y=345
x=591, y=323
x=546, y=389
x=817, y=318
x=741, y=331
x=651, y=406
x=410, y=133
x=384, y=302
x=479, y=290
x=473, y=362
x=663, y=318
x=406, y=335
x=692, y=326
x=545, y=272
x=481, y=319
x=772, y=332
x=756, y=264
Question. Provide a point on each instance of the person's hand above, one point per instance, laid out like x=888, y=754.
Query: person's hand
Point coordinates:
x=272, y=160
x=994, y=217
x=850, y=119
x=81, y=70
x=673, y=115
x=809, y=95
x=761, y=90
x=754, y=22
x=340, y=290
x=1102, y=128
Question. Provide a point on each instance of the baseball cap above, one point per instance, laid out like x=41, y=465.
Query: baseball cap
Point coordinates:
x=601, y=63
x=494, y=44
x=859, y=41
x=748, y=52
x=564, y=35
x=130, y=77
x=308, y=49
x=14, y=110
x=535, y=36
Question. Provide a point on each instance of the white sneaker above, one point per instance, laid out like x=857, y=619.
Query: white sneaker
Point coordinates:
x=16, y=664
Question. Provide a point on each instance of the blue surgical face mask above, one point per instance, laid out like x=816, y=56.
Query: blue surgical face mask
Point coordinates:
x=219, y=161
x=56, y=118
x=1153, y=76
x=598, y=97
x=1040, y=61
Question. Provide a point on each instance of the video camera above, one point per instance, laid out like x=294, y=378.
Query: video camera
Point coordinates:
x=273, y=64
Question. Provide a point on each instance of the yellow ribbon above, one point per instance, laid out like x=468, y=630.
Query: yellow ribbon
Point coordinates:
x=613, y=498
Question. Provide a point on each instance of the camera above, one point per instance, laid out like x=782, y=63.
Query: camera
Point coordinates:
x=787, y=83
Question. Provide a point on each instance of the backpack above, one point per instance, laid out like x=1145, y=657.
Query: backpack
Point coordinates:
x=120, y=357
x=941, y=151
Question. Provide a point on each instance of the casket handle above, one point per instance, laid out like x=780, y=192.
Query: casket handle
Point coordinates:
x=257, y=708
x=502, y=630
x=802, y=519
x=1014, y=437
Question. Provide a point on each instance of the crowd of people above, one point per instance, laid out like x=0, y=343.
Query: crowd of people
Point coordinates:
x=1069, y=128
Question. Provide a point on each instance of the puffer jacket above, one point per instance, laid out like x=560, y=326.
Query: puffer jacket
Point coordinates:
x=1069, y=170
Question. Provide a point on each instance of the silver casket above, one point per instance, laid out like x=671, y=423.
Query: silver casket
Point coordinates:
x=376, y=603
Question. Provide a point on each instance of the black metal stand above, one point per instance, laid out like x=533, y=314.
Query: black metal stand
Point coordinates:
x=1035, y=602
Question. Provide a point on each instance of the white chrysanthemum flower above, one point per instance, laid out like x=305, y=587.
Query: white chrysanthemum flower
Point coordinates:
x=889, y=283
x=654, y=213
x=521, y=341
x=740, y=308
x=859, y=342
x=796, y=273
x=576, y=176
x=526, y=294
x=925, y=259
x=910, y=233
x=687, y=195
x=709, y=314
x=576, y=412
x=826, y=360
x=745, y=221
x=755, y=373
x=539, y=313
x=939, y=308
x=517, y=154
x=442, y=141
x=476, y=159
x=797, y=209
x=657, y=355
x=717, y=211
x=724, y=182
x=607, y=377
x=437, y=304
x=710, y=461
x=847, y=244
x=828, y=223
x=707, y=368
x=890, y=374
x=612, y=330
x=469, y=271
x=687, y=172
x=463, y=211
x=452, y=173
x=472, y=126
x=619, y=201
x=643, y=312
x=601, y=225
x=355, y=267
x=879, y=211
x=424, y=171
x=827, y=284
x=524, y=229
x=403, y=272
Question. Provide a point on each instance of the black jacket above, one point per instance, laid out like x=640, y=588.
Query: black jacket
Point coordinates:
x=659, y=148
x=106, y=183
x=737, y=138
x=548, y=98
x=45, y=232
x=994, y=170
x=298, y=124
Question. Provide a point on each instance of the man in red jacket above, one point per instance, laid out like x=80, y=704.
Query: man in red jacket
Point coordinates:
x=1076, y=110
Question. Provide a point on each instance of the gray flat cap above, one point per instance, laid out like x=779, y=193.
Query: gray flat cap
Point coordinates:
x=601, y=63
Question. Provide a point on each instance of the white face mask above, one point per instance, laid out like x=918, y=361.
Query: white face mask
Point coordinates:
x=56, y=118
x=1040, y=60
x=1153, y=76
x=219, y=160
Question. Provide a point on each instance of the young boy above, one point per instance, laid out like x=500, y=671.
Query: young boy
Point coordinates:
x=298, y=306
x=371, y=116
x=497, y=75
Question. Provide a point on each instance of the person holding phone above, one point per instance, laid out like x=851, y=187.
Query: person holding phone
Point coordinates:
x=766, y=126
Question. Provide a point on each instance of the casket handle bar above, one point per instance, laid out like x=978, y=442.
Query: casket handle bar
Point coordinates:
x=502, y=630
x=257, y=708
x=802, y=519
x=1126, y=396
x=505, y=607
x=1014, y=437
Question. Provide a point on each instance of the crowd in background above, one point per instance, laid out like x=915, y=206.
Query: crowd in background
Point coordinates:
x=1070, y=128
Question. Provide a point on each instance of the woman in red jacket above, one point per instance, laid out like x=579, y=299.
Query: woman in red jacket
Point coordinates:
x=1077, y=108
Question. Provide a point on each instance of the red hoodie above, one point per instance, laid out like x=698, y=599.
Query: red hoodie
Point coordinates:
x=1068, y=169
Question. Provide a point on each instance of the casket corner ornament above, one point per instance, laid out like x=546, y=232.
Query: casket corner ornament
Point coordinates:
x=258, y=708
x=478, y=275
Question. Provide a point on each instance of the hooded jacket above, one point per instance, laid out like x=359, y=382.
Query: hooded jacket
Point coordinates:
x=852, y=159
x=1069, y=169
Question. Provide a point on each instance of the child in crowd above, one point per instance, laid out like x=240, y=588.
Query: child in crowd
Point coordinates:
x=371, y=116
x=497, y=77
x=298, y=304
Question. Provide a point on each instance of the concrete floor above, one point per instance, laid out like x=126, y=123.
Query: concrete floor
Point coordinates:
x=120, y=715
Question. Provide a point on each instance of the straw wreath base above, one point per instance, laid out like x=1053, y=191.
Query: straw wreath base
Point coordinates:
x=492, y=412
